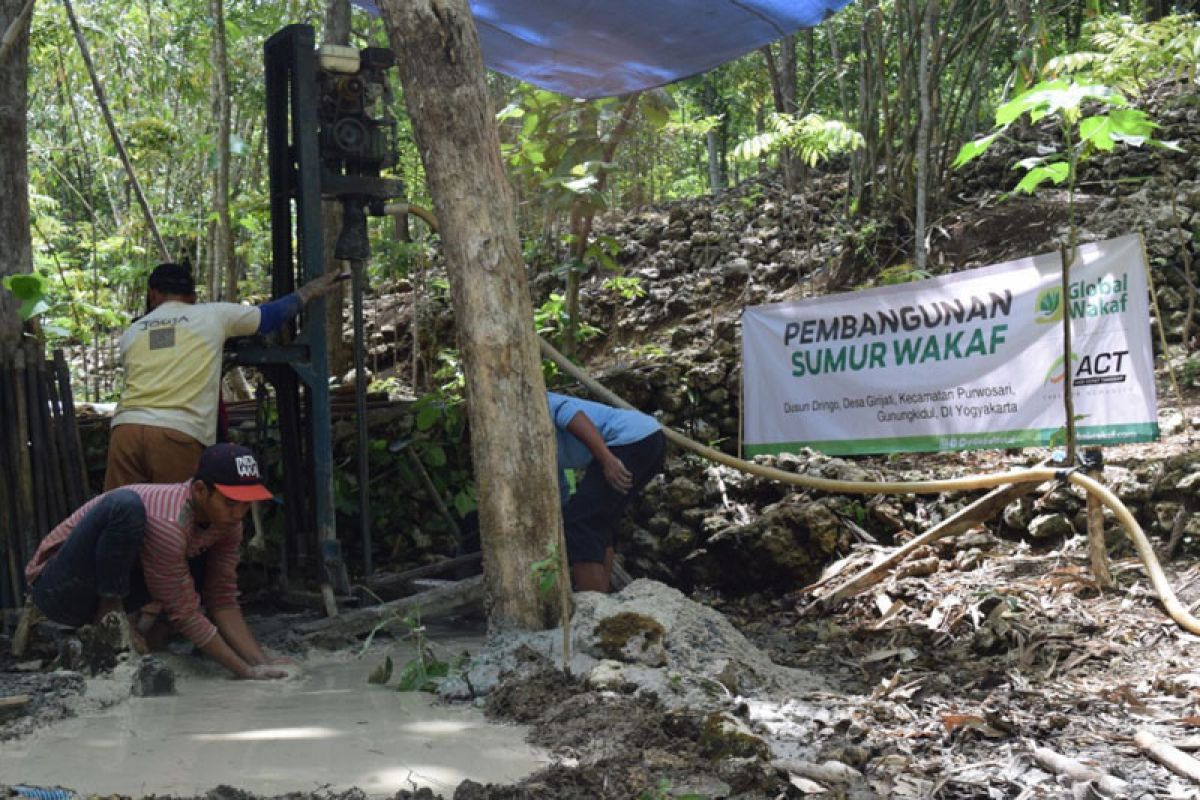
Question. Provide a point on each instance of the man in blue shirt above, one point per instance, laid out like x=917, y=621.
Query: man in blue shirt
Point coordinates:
x=622, y=450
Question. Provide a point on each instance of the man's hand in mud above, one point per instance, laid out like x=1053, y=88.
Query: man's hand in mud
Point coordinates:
x=264, y=672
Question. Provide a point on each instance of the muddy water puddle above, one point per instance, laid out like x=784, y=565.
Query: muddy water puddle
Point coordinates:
x=323, y=728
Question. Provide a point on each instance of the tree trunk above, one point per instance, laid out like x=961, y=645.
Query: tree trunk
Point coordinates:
x=16, y=253
x=223, y=272
x=783, y=91
x=336, y=31
x=511, y=437
x=710, y=105
x=583, y=215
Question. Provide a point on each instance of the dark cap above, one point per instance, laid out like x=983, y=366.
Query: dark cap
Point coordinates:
x=233, y=470
x=173, y=279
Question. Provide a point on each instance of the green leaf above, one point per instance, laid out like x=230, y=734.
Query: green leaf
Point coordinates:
x=31, y=289
x=382, y=673
x=464, y=503
x=546, y=582
x=435, y=456
x=1131, y=123
x=1036, y=177
x=1098, y=131
x=655, y=111
x=427, y=416
x=510, y=111
x=974, y=149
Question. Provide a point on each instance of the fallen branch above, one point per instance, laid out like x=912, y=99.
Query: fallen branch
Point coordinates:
x=835, y=772
x=15, y=701
x=1105, y=784
x=434, y=602
x=394, y=583
x=973, y=514
x=1168, y=755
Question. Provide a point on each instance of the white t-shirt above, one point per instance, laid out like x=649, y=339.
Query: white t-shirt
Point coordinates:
x=172, y=360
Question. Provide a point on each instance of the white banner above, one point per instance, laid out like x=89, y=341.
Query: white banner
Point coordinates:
x=962, y=361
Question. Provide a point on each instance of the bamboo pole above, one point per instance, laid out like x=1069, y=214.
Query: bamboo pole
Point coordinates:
x=36, y=436
x=50, y=443
x=10, y=588
x=26, y=510
x=78, y=470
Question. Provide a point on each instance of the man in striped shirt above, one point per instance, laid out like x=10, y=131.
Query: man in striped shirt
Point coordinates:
x=160, y=542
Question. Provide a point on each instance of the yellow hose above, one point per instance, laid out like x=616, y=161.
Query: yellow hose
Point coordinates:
x=1158, y=579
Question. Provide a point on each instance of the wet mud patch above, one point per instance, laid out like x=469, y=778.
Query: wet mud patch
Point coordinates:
x=50, y=697
x=526, y=698
x=609, y=744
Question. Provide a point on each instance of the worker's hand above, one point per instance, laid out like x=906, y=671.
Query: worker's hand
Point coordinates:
x=322, y=285
x=616, y=474
x=264, y=672
x=281, y=661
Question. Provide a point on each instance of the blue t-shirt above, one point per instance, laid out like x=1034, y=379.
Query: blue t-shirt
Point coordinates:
x=616, y=425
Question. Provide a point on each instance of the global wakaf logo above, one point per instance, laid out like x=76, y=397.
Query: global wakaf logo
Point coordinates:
x=1049, y=306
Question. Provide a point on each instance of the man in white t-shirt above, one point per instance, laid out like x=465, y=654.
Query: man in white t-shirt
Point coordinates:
x=172, y=359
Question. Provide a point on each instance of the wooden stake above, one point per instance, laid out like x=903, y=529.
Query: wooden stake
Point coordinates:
x=1097, y=551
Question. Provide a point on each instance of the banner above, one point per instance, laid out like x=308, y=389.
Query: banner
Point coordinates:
x=959, y=362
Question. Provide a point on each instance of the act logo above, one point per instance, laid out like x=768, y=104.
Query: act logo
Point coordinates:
x=1049, y=306
x=1091, y=369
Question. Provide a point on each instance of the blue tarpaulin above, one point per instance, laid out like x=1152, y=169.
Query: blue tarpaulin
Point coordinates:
x=600, y=48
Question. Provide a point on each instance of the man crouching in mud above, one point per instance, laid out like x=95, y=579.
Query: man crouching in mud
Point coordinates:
x=160, y=542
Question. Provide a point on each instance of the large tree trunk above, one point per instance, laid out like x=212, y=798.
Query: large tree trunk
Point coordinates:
x=222, y=280
x=16, y=253
x=512, y=441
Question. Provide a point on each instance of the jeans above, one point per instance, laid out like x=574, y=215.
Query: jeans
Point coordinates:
x=98, y=559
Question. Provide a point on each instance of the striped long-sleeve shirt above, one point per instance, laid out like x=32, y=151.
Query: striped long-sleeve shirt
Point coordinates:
x=172, y=537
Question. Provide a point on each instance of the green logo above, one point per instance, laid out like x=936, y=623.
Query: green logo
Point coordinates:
x=1049, y=306
x=1057, y=372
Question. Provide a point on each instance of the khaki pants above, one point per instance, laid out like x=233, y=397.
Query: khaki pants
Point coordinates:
x=149, y=454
